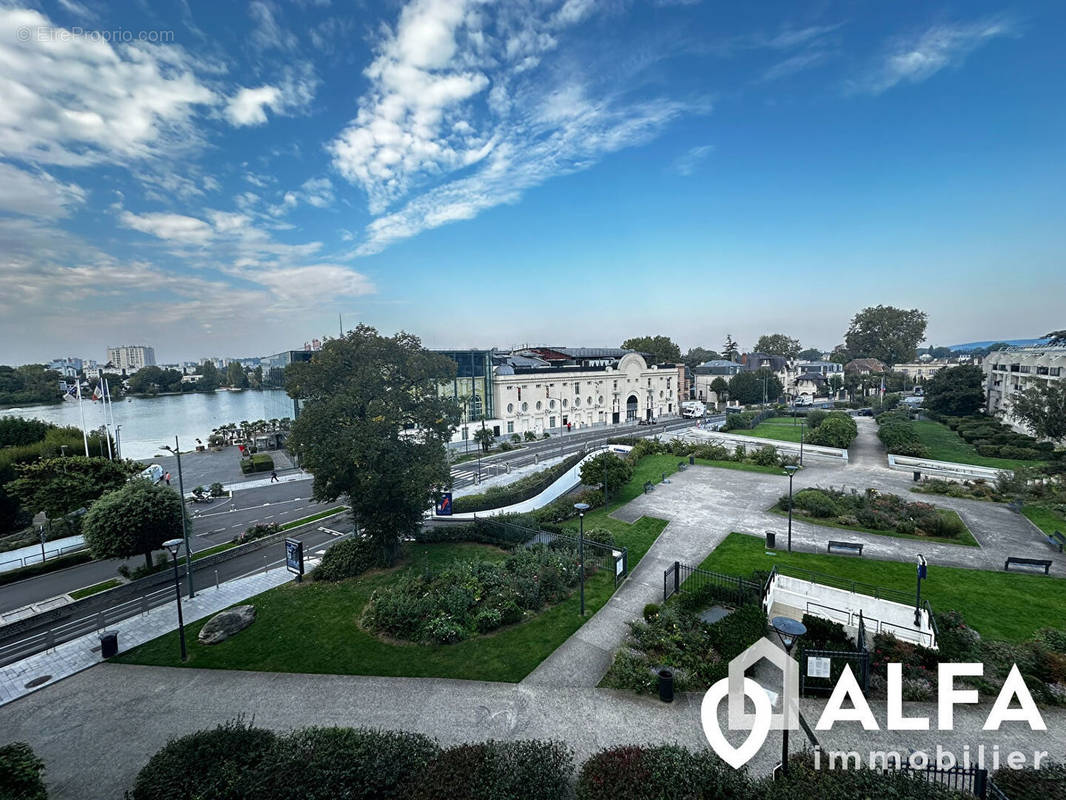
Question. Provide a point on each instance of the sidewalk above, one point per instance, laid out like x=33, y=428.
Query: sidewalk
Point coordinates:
x=82, y=653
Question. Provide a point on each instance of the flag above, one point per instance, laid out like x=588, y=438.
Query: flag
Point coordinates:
x=97, y=393
x=72, y=391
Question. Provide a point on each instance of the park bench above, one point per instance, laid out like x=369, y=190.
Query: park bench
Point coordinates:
x=850, y=547
x=1029, y=562
x=648, y=486
x=1057, y=540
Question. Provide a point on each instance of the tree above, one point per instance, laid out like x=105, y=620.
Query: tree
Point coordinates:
x=373, y=427
x=1056, y=338
x=747, y=387
x=659, y=349
x=777, y=344
x=19, y=431
x=699, y=355
x=608, y=469
x=255, y=380
x=810, y=354
x=836, y=383
x=720, y=386
x=1043, y=409
x=886, y=333
x=209, y=380
x=235, y=375
x=484, y=437
x=137, y=518
x=58, y=486
x=956, y=391
x=840, y=355
x=730, y=349
x=836, y=430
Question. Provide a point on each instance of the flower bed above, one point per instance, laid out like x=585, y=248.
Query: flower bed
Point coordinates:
x=468, y=598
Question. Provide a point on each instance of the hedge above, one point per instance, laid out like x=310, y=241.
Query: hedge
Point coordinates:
x=898, y=435
x=531, y=770
x=258, y=462
x=51, y=565
x=20, y=773
x=517, y=492
x=348, y=559
x=666, y=771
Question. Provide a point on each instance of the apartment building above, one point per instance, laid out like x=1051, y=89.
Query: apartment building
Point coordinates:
x=131, y=357
x=1010, y=371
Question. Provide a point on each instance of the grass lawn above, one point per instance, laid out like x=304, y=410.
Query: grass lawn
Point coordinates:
x=312, y=627
x=965, y=539
x=329, y=512
x=1000, y=605
x=1047, y=519
x=946, y=445
x=786, y=429
x=103, y=586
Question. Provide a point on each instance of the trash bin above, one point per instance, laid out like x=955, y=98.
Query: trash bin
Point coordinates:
x=666, y=685
x=917, y=476
x=771, y=540
x=109, y=644
x=691, y=460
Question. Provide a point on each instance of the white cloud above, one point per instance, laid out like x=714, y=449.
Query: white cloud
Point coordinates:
x=77, y=9
x=305, y=286
x=76, y=100
x=293, y=94
x=247, y=107
x=37, y=194
x=916, y=58
x=172, y=227
x=318, y=192
x=268, y=33
x=794, y=64
x=686, y=163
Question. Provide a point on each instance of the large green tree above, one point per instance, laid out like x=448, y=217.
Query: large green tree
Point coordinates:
x=236, y=376
x=149, y=380
x=748, y=387
x=956, y=391
x=660, y=349
x=886, y=333
x=372, y=429
x=730, y=349
x=810, y=354
x=1043, y=409
x=1056, y=338
x=58, y=486
x=778, y=344
x=137, y=518
x=700, y=355
x=209, y=379
x=609, y=469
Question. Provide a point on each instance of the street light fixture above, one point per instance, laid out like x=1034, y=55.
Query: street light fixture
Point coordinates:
x=789, y=630
x=791, y=470
x=174, y=545
x=581, y=509
x=176, y=450
x=922, y=572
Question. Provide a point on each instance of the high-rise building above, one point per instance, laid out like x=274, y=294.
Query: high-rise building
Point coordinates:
x=131, y=357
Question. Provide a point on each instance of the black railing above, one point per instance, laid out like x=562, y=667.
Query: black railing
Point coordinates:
x=970, y=780
x=729, y=587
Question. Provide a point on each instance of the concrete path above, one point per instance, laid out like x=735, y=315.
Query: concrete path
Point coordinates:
x=96, y=730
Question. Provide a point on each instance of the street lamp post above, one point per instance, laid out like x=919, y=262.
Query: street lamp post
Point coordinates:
x=789, y=630
x=791, y=470
x=176, y=450
x=922, y=571
x=173, y=545
x=581, y=509
x=803, y=424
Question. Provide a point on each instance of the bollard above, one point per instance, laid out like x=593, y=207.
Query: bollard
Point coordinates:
x=666, y=685
x=216, y=580
x=264, y=564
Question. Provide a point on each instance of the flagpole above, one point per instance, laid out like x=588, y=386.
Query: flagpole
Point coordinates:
x=81, y=408
x=111, y=412
x=107, y=427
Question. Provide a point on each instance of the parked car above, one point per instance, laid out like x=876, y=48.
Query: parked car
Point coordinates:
x=866, y=412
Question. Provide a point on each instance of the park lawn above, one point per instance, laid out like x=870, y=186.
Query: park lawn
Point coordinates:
x=966, y=539
x=311, y=627
x=1047, y=519
x=1000, y=605
x=786, y=429
x=96, y=588
x=946, y=445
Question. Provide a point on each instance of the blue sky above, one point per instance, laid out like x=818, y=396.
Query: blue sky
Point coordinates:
x=225, y=178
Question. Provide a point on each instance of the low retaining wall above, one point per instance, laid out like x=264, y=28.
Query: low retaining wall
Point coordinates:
x=943, y=469
x=756, y=442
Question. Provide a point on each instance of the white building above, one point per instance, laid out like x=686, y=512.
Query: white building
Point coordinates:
x=131, y=357
x=1014, y=370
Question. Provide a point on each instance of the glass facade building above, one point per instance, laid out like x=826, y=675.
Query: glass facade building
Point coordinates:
x=472, y=384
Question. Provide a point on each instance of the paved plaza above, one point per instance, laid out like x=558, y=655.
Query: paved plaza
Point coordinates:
x=115, y=716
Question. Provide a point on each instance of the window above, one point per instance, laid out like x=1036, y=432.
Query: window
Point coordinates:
x=551, y=422
x=1055, y=372
x=525, y=407
x=616, y=384
x=540, y=405
x=599, y=400
x=577, y=402
x=551, y=404
x=1041, y=370
x=564, y=402
x=577, y=388
x=1026, y=369
x=588, y=400
x=510, y=408
x=510, y=427
x=1013, y=367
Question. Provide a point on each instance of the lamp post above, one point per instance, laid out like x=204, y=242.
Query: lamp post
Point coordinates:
x=922, y=571
x=581, y=509
x=791, y=470
x=173, y=545
x=789, y=630
x=803, y=424
x=176, y=450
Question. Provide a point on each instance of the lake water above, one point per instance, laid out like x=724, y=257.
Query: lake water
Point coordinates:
x=149, y=422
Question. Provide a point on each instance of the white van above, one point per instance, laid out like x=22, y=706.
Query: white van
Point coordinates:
x=693, y=409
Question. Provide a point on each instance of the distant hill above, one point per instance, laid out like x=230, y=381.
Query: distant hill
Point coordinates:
x=1016, y=342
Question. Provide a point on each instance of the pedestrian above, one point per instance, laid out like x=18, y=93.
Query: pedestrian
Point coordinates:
x=274, y=476
x=167, y=478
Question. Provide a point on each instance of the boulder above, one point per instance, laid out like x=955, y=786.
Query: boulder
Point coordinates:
x=224, y=625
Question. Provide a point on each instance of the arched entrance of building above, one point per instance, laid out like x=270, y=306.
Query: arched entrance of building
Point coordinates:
x=631, y=407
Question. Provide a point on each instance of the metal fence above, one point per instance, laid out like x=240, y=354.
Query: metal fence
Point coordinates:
x=969, y=780
x=25, y=561
x=604, y=556
x=731, y=588
x=99, y=621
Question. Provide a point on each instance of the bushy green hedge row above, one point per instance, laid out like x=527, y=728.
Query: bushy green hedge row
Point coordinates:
x=468, y=598
x=993, y=439
x=875, y=511
x=746, y=420
x=349, y=558
x=237, y=761
x=20, y=773
x=257, y=462
x=517, y=492
x=835, y=429
x=897, y=434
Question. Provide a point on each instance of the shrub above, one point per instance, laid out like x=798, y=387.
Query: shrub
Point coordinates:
x=1032, y=784
x=516, y=439
x=348, y=558
x=495, y=770
x=815, y=502
x=521, y=489
x=804, y=782
x=258, y=462
x=651, y=611
x=824, y=634
x=206, y=764
x=600, y=536
x=838, y=430
x=328, y=763
x=217, y=490
x=257, y=531
x=765, y=456
x=20, y=773
x=816, y=417
x=664, y=771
